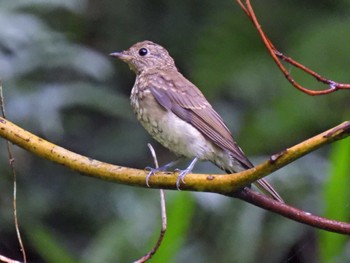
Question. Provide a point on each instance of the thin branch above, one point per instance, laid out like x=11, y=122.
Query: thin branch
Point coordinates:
x=13, y=170
x=278, y=56
x=225, y=184
x=149, y=255
x=8, y=260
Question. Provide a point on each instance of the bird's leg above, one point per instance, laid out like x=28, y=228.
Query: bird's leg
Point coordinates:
x=163, y=168
x=183, y=173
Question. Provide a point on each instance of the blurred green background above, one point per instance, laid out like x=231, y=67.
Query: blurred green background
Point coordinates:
x=60, y=83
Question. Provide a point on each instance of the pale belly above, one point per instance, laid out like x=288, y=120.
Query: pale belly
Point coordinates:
x=179, y=136
x=169, y=130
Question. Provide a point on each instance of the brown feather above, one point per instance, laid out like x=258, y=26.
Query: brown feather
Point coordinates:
x=156, y=72
x=189, y=104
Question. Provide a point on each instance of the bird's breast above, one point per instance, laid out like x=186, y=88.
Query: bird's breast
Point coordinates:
x=176, y=134
x=164, y=126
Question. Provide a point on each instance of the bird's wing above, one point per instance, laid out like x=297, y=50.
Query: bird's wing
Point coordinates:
x=189, y=104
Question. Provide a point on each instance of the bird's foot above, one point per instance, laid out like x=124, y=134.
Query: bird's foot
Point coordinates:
x=181, y=177
x=183, y=173
x=153, y=171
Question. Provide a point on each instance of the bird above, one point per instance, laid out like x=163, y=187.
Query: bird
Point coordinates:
x=177, y=114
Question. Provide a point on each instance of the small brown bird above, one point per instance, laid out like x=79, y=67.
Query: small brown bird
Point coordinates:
x=176, y=113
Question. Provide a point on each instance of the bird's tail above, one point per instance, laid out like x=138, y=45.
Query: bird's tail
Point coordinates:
x=266, y=188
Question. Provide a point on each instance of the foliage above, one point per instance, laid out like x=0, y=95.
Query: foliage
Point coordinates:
x=336, y=192
x=60, y=84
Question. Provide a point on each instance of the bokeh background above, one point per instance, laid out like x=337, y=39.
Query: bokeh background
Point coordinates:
x=60, y=83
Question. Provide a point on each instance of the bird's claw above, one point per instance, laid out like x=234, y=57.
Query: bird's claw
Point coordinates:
x=181, y=177
x=163, y=168
x=152, y=171
x=183, y=173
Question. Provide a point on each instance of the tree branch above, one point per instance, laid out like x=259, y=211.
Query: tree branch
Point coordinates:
x=277, y=56
x=226, y=184
x=293, y=213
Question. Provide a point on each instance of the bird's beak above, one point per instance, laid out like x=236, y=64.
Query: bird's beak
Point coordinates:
x=121, y=56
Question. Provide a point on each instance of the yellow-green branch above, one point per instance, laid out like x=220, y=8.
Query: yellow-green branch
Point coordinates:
x=222, y=184
x=219, y=183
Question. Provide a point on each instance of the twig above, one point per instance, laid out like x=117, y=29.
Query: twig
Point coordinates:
x=13, y=170
x=149, y=255
x=278, y=56
x=8, y=260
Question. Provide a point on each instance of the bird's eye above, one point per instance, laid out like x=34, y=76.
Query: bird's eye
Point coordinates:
x=143, y=52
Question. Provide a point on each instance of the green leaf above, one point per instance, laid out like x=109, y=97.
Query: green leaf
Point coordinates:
x=179, y=211
x=48, y=247
x=336, y=197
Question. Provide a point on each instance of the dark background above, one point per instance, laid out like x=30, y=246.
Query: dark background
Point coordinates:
x=60, y=83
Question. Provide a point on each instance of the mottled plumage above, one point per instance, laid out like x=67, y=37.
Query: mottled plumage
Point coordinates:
x=176, y=113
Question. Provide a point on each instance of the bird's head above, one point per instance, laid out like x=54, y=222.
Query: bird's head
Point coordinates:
x=145, y=55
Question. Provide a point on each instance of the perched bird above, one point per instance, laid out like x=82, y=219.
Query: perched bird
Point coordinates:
x=176, y=113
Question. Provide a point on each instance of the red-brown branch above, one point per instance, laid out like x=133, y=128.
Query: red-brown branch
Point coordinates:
x=279, y=56
x=293, y=213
